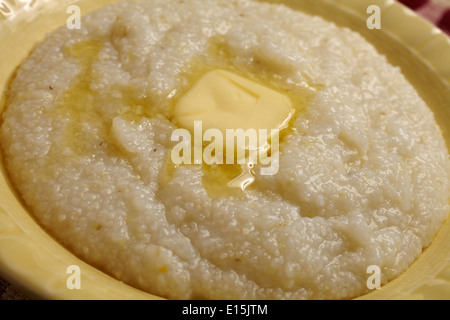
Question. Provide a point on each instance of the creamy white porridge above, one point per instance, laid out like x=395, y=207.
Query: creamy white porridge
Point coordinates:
x=363, y=167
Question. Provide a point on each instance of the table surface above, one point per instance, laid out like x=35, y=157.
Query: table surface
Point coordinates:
x=433, y=10
x=9, y=292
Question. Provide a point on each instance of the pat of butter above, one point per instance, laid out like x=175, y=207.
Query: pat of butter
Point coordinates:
x=224, y=100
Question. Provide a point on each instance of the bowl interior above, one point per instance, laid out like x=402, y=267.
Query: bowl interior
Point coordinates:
x=35, y=262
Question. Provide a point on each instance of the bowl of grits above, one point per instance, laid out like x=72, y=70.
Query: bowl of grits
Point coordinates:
x=213, y=149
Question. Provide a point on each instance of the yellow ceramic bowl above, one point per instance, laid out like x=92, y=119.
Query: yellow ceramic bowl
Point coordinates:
x=36, y=263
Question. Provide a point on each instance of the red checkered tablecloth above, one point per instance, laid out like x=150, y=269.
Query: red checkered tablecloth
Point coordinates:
x=437, y=11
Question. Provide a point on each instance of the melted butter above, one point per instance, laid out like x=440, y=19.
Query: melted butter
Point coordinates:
x=87, y=125
x=233, y=180
x=135, y=106
x=244, y=180
x=216, y=179
x=224, y=100
x=78, y=106
x=168, y=171
x=257, y=72
x=77, y=103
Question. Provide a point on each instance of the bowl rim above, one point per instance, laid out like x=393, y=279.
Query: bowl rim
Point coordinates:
x=23, y=243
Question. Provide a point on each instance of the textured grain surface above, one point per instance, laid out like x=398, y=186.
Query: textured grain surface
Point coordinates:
x=119, y=124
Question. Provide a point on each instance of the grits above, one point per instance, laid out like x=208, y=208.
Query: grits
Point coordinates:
x=363, y=169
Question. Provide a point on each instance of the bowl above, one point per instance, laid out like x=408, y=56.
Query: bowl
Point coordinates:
x=37, y=264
